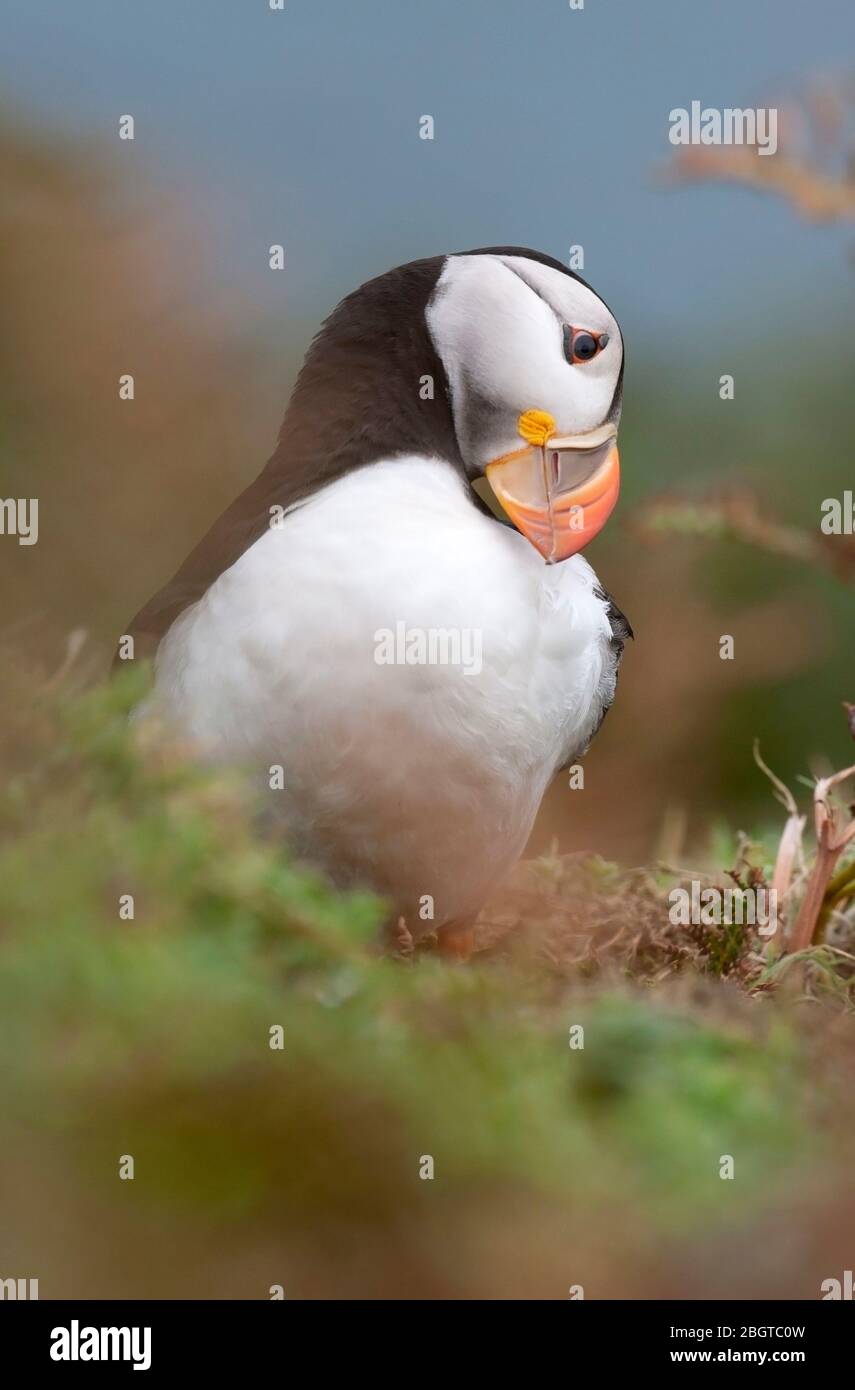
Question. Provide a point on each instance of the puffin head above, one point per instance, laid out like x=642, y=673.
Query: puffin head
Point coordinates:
x=533, y=360
x=527, y=362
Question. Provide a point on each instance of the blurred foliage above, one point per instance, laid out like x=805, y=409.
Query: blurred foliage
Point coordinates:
x=150, y=1037
x=811, y=167
x=100, y=277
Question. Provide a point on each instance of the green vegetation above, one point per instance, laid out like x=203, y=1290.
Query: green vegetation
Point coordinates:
x=150, y=1036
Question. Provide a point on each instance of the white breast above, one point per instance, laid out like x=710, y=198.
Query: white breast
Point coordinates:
x=419, y=780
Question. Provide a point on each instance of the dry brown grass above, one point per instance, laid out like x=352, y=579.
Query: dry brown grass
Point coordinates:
x=812, y=168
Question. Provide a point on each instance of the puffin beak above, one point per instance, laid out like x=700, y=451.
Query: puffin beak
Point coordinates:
x=559, y=493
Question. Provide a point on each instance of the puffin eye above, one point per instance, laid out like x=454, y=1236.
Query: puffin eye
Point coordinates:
x=580, y=345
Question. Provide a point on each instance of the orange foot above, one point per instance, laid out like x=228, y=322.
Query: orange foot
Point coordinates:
x=456, y=943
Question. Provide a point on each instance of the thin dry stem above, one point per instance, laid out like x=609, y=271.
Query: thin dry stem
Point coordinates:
x=831, y=839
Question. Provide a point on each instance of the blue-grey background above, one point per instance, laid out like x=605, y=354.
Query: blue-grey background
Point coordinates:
x=301, y=127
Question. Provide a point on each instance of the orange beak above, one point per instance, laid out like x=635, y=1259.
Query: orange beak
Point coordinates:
x=561, y=493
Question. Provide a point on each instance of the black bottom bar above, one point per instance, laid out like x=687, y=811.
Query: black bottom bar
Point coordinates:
x=222, y=1338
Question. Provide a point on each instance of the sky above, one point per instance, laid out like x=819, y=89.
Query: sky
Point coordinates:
x=301, y=127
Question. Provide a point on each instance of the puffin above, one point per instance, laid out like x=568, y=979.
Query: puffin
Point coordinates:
x=393, y=627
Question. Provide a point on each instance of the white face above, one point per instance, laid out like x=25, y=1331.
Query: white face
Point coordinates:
x=497, y=323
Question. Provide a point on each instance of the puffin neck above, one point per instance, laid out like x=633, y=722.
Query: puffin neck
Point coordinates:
x=372, y=386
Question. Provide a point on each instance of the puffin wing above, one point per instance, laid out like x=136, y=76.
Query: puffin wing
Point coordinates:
x=618, y=621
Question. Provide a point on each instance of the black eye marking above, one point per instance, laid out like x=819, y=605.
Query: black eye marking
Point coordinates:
x=581, y=345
